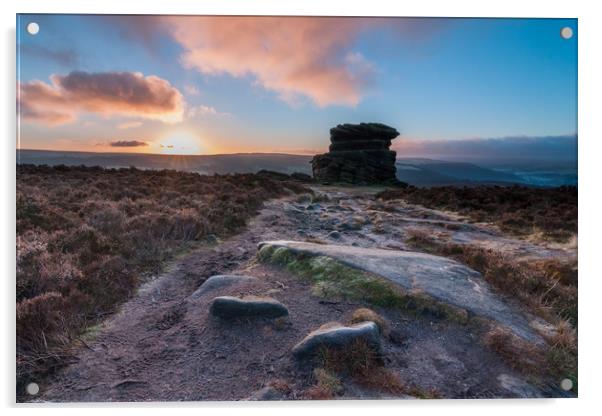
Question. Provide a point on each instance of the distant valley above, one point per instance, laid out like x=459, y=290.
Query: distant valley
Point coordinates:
x=415, y=171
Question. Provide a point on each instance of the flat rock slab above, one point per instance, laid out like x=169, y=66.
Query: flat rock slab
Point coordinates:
x=443, y=279
x=337, y=336
x=229, y=307
x=221, y=281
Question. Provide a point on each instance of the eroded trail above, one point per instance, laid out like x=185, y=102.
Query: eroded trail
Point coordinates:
x=163, y=345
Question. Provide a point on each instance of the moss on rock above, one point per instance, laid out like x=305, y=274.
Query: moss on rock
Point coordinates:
x=332, y=279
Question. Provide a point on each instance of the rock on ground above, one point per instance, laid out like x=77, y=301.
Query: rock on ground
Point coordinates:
x=221, y=281
x=228, y=307
x=443, y=279
x=337, y=336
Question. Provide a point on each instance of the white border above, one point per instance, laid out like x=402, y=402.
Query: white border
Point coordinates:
x=590, y=236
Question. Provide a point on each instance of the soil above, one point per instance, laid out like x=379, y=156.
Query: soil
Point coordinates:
x=163, y=345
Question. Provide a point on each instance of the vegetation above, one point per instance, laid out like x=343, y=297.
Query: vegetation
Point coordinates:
x=87, y=236
x=365, y=315
x=518, y=210
x=547, y=287
x=363, y=365
x=331, y=279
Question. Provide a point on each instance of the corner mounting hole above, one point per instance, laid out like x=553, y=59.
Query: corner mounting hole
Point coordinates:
x=566, y=32
x=33, y=28
x=32, y=389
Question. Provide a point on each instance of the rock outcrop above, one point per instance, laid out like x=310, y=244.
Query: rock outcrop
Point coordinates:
x=359, y=154
x=436, y=279
x=229, y=307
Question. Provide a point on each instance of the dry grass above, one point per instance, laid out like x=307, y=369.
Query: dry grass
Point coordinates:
x=547, y=287
x=518, y=210
x=365, y=314
x=86, y=238
x=326, y=385
x=519, y=354
x=362, y=364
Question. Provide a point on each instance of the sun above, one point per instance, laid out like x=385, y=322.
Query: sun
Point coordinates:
x=180, y=143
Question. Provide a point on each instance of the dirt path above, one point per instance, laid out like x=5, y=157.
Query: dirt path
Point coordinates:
x=162, y=345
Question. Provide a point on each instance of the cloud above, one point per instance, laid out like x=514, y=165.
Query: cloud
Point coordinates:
x=65, y=57
x=128, y=143
x=191, y=89
x=106, y=93
x=299, y=58
x=129, y=125
x=296, y=57
x=204, y=110
x=558, y=148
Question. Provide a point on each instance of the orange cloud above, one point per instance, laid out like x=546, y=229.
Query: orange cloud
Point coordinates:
x=293, y=56
x=109, y=93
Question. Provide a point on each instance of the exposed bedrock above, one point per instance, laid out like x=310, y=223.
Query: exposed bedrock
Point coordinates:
x=359, y=154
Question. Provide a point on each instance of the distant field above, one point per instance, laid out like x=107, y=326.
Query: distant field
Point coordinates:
x=86, y=237
x=205, y=164
x=515, y=209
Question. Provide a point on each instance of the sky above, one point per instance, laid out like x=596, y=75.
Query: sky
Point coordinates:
x=209, y=85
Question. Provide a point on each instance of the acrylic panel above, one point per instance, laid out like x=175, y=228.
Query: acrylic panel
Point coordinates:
x=220, y=208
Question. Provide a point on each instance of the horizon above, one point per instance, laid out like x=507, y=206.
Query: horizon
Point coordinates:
x=212, y=85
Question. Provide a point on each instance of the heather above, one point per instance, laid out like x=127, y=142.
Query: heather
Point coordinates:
x=87, y=237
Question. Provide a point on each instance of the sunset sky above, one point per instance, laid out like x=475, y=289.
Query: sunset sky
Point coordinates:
x=205, y=85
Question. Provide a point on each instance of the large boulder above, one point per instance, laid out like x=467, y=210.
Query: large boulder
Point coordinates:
x=359, y=154
x=337, y=336
x=229, y=307
x=439, y=280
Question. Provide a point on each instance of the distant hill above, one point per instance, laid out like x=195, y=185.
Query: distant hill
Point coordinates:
x=205, y=164
x=427, y=172
x=415, y=171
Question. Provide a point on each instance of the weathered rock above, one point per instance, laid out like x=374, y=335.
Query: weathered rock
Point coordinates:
x=228, y=307
x=337, y=336
x=221, y=281
x=443, y=280
x=359, y=154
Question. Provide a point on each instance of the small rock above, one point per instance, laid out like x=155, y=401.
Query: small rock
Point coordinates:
x=228, y=307
x=335, y=335
x=211, y=239
x=221, y=281
x=335, y=235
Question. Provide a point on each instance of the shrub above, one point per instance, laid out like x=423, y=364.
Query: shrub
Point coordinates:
x=87, y=236
x=518, y=210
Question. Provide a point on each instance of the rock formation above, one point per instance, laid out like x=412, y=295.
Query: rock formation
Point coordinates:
x=359, y=154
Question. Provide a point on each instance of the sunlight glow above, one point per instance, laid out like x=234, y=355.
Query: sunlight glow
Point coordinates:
x=180, y=143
